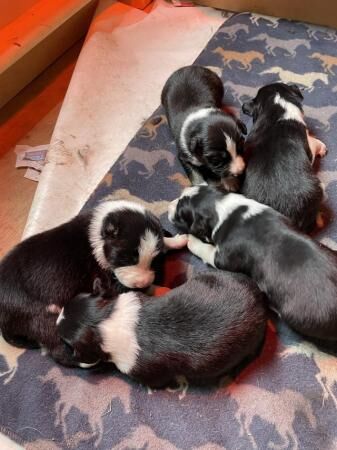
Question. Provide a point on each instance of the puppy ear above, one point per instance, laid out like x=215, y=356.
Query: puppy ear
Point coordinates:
x=296, y=90
x=87, y=350
x=201, y=227
x=110, y=228
x=242, y=127
x=196, y=146
x=248, y=108
x=97, y=288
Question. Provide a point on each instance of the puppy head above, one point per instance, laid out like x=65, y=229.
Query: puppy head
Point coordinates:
x=265, y=98
x=217, y=143
x=194, y=211
x=77, y=325
x=125, y=239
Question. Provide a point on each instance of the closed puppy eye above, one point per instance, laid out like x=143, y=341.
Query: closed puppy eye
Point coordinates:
x=217, y=162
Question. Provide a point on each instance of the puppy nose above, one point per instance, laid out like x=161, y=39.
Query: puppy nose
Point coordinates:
x=237, y=166
x=144, y=280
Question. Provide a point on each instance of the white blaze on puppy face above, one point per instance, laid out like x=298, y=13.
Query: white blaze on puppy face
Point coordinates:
x=95, y=227
x=237, y=165
x=118, y=332
x=60, y=317
x=141, y=275
x=225, y=207
x=291, y=111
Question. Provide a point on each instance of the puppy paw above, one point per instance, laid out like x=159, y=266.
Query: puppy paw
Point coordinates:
x=321, y=149
x=320, y=220
x=204, y=251
x=176, y=242
x=193, y=243
x=53, y=309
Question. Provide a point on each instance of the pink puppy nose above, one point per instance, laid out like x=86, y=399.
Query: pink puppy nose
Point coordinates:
x=144, y=280
x=237, y=166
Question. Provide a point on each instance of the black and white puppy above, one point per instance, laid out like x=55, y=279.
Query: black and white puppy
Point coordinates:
x=200, y=330
x=117, y=240
x=297, y=274
x=209, y=141
x=279, y=154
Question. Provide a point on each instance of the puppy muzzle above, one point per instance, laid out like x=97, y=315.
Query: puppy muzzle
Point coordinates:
x=237, y=166
x=135, y=277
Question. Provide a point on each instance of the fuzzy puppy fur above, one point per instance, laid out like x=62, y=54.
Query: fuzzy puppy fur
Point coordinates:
x=200, y=330
x=297, y=274
x=279, y=155
x=117, y=241
x=209, y=140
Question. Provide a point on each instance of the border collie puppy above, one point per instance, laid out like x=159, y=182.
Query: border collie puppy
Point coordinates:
x=209, y=140
x=297, y=274
x=118, y=240
x=200, y=330
x=279, y=155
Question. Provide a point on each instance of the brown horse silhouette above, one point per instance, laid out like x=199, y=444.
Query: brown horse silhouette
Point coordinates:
x=148, y=159
x=244, y=58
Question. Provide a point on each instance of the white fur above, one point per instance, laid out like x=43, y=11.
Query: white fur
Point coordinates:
x=118, y=332
x=206, y=252
x=190, y=191
x=95, y=228
x=87, y=366
x=199, y=114
x=60, y=317
x=187, y=192
x=148, y=249
x=171, y=211
x=291, y=111
x=225, y=207
x=231, y=146
x=140, y=275
x=237, y=166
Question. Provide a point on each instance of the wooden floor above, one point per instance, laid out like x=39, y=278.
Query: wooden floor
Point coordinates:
x=28, y=119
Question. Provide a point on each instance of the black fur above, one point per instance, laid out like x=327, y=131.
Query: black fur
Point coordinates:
x=47, y=270
x=298, y=275
x=279, y=171
x=202, y=329
x=188, y=90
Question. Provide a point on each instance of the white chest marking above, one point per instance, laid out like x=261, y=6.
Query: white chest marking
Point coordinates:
x=119, y=332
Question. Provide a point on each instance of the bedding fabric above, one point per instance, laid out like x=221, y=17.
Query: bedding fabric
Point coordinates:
x=287, y=397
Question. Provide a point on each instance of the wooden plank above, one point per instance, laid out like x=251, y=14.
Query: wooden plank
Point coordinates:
x=30, y=43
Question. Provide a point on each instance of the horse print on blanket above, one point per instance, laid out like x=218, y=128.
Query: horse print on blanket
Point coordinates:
x=287, y=397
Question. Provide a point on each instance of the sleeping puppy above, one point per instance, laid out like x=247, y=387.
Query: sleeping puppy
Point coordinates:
x=200, y=330
x=297, y=274
x=118, y=241
x=279, y=155
x=209, y=141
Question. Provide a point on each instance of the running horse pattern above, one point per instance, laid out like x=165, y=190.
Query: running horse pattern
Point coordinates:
x=287, y=397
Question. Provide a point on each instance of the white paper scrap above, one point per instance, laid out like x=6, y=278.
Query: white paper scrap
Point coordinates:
x=31, y=157
x=32, y=174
